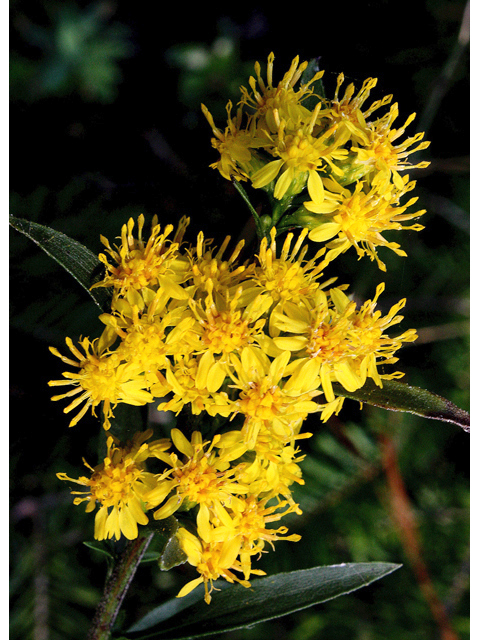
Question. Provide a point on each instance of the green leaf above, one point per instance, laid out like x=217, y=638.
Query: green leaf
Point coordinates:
x=317, y=87
x=398, y=396
x=79, y=261
x=150, y=556
x=234, y=606
x=100, y=547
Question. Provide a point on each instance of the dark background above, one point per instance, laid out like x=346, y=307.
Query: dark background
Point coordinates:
x=105, y=123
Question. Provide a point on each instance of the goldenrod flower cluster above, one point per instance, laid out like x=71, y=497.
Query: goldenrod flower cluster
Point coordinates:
x=336, y=164
x=252, y=344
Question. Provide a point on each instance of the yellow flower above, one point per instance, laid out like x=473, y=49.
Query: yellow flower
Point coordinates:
x=119, y=484
x=302, y=155
x=193, y=381
x=250, y=525
x=288, y=276
x=148, y=338
x=210, y=272
x=234, y=145
x=213, y=560
x=275, y=468
x=222, y=328
x=139, y=264
x=347, y=111
x=284, y=98
x=204, y=477
x=372, y=345
x=264, y=400
x=382, y=157
x=336, y=343
x=360, y=218
x=102, y=378
x=231, y=547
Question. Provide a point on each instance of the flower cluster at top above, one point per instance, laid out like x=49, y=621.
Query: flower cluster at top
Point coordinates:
x=251, y=344
x=335, y=165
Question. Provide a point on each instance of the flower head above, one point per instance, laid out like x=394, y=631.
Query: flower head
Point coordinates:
x=103, y=378
x=301, y=157
x=119, y=485
x=139, y=264
x=200, y=477
x=234, y=145
x=283, y=277
x=383, y=156
x=212, y=560
x=335, y=342
x=284, y=99
x=230, y=548
x=268, y=403
x=346, y=112
x=361, y=216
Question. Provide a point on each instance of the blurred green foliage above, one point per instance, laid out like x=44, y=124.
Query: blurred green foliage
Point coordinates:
x=77, y=51
x=106, y=124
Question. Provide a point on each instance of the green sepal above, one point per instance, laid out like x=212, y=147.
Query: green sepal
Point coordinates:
x=235, y=607
x=170, y=555
x=398, y=396
x=73, y=256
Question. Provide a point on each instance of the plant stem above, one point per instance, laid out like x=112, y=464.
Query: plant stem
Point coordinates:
x=258, y=222
x=117, y=587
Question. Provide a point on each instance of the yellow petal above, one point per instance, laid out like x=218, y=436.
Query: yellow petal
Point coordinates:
x=190, y=586
x=277, y=367
x=346, y=376
x=339, y=299
x=127, y=523
x=324, y=231
x=215, y=377
x=137, y=511
x=205, y=363
x=315, y=187
x=292, y=343
x=173, y=289
x=168, y=508
x=229, y=552
x=305, y=378
x=283, y=183
x=100, y=520
x=181, y=442
x=191, y=545
x=327, y=383
x=204, y=527
x=112, y=525
x=266, y=174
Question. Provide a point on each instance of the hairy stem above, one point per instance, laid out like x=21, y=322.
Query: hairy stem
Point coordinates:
x=117, y=587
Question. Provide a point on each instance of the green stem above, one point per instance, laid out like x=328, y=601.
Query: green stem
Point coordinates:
x=256, y=217
x=279, y=209
x=117, y=587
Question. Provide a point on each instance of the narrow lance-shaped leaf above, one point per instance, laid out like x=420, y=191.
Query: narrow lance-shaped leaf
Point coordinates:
x=398, y=396
x=74, y=257
x=234, y=607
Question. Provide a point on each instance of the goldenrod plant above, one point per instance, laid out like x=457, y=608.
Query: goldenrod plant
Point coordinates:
x=242, y=343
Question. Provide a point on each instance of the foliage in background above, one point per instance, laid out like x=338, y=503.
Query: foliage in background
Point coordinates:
x=116, y=160
x=79, y=53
